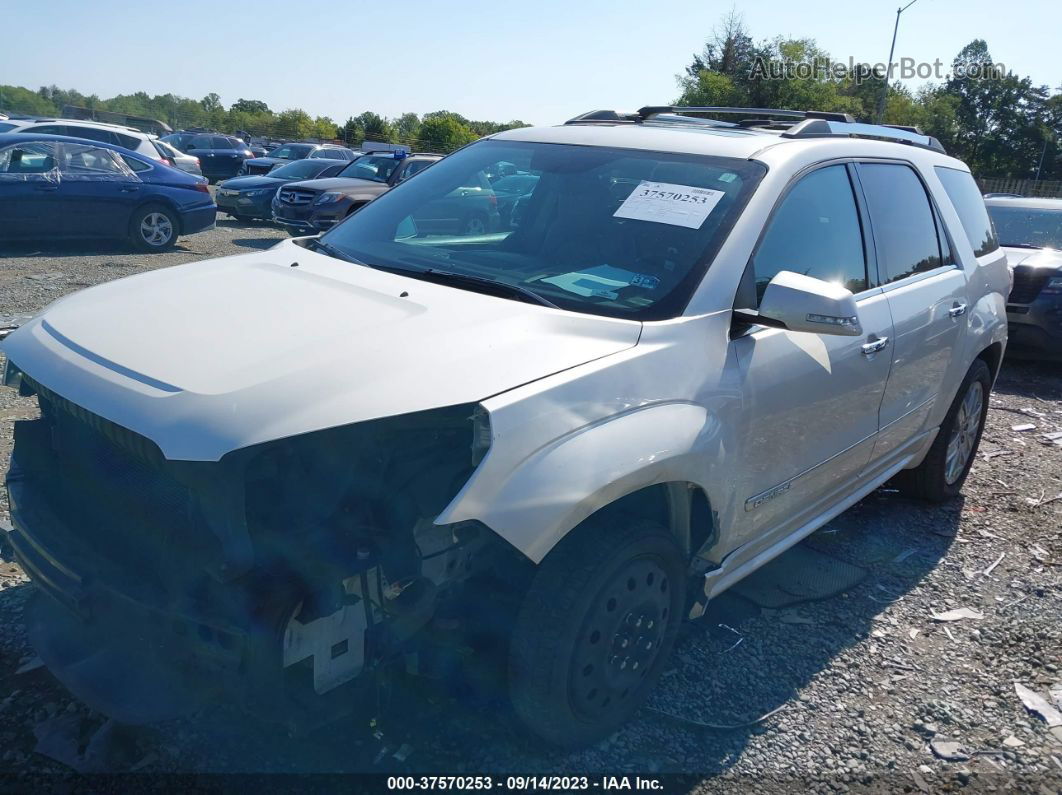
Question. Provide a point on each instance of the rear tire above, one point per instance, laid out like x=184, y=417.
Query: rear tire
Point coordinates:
x=154, y=228
x=942, y=473
x=595, y=630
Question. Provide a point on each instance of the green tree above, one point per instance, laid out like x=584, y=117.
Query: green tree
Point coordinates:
x=444, y=133
x=252, y=106
x=294, y=123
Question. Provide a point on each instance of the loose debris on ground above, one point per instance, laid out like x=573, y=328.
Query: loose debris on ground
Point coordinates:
x=939, y=670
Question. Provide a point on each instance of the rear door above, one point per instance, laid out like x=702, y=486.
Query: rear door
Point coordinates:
x=99, y=189
x=812, y=400
x=926, y=292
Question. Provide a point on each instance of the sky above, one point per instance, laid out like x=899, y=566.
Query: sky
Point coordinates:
x=541, y=61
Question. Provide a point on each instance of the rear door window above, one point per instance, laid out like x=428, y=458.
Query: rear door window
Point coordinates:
x=200, y=142
x=970, y=206
x=219, y=142
x=93, y=134
x=91, y=163
x=815, y=231
x=905, y=230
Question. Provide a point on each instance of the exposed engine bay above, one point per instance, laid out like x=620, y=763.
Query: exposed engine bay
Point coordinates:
x=290, y=567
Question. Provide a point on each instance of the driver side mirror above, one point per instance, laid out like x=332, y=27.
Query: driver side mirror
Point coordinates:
x=803, y=303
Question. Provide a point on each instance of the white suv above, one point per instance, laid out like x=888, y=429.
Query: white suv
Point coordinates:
x=129, y=137
x=690, y=344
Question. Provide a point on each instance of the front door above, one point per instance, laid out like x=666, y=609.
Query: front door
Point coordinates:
x=926, y=292
x=811, y=400
x=29, y=191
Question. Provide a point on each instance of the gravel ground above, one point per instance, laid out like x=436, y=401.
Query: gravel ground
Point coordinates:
x=862, y=691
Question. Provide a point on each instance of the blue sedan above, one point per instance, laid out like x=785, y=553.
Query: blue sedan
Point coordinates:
x=54, y=186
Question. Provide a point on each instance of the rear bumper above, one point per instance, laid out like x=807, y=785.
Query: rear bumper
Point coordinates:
x=198, y=219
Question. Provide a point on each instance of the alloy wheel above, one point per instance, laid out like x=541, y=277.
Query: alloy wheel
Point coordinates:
x=156, y=229
x=964, y=432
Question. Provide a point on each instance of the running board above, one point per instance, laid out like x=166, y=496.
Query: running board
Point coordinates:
x=718, y=580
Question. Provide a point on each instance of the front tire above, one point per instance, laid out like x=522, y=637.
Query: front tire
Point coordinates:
x=942, y=473
x=595, y=629
x=154, y=228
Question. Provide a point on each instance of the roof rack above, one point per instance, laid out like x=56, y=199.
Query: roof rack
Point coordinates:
x=804, y=124
x=822, y=128
x=652, y=110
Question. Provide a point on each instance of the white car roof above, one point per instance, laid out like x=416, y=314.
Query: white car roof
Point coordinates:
x=81, y=123
x=686, y=135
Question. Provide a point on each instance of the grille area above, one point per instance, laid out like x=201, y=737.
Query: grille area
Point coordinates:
x=297, y=197
x=113, y=509
x=1027, y=283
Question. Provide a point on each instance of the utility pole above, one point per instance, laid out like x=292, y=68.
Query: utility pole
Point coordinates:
x=1039, y=168
x=888, y=68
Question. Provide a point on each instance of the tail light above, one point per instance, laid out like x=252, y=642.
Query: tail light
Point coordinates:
x=167, y=161
x=201, y=187
x=493, y=199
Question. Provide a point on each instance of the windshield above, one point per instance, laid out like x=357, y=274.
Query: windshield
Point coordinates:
x=300, y=169
x=617, y=232
x=333, y=154
x=371, y=167
x=290, y=152
x=1037, y=227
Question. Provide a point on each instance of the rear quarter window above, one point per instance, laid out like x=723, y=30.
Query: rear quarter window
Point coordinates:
x=970, y=207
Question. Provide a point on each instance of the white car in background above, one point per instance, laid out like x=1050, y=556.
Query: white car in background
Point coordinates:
x=131, y=138
x=177, y=158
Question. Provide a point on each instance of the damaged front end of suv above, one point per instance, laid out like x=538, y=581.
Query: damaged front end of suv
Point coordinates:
x=288, y=568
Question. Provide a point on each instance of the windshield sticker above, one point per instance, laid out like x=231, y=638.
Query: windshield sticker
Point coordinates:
x=665, y=203
x=602, y=281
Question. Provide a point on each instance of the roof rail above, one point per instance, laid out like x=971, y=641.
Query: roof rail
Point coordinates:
x=822, y=128
x=651, y=110
x=603, y=117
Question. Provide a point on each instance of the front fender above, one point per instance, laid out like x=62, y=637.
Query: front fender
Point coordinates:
x=533, y=500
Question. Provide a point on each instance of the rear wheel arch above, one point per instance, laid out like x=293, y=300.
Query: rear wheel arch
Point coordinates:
x=993, y=357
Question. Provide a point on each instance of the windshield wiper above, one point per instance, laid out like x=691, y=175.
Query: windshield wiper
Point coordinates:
x=513, y=290
x=1020, y=245
x=482, y=282
x=332, y=251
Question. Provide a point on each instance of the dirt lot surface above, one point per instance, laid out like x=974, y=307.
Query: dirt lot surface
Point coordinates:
x=865, y=690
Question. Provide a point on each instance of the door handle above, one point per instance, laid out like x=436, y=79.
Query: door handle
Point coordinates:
x=48, y=187
x=957, y=310
x=130, y=188
x=875, y=345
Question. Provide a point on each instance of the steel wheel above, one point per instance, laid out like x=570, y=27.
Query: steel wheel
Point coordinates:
x=595, y=628
x=621, y=639
x=156, y=229
x=964, y=433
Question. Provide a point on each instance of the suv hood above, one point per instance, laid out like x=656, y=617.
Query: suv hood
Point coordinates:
x=213, y=356
x=1033, y=257
x=341, y=185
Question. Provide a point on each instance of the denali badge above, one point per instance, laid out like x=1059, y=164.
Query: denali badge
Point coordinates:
x=752, y=503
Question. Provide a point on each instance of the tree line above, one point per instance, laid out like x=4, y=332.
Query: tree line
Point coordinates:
x=1001, y=124
x=439, y=131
